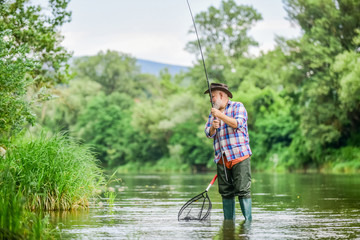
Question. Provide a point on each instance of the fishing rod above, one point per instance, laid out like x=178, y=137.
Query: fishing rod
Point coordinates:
x=207, y=80
x=202, y=56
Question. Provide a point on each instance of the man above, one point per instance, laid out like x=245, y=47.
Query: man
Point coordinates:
x=227, y=125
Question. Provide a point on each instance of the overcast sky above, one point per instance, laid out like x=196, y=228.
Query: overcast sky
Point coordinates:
x=157, y=30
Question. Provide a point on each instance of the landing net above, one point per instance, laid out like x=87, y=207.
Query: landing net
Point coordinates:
x=198, y=208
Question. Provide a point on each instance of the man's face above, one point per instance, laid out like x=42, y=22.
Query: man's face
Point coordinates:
x=216, y=99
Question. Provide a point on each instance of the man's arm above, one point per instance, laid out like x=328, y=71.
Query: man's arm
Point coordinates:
x=228, y=120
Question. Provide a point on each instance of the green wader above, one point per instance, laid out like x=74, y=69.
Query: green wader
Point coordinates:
x=238, y=184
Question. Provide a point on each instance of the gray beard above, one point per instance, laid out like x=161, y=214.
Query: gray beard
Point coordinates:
x=217, y=104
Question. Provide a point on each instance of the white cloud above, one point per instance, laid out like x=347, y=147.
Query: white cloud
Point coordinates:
x=161, y=47
x=159, y=33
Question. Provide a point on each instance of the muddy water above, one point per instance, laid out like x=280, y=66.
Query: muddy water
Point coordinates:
x=285, y=206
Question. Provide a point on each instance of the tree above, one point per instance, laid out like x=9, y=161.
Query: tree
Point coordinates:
x=30, y=24
x=224, y=37
x=30, y=56
x=312, y=84
x=347, y=67
x=325, y=18
x=15, y=109
x=114, y=71
x=226, y=28
x=105, y=124
x=61, y=113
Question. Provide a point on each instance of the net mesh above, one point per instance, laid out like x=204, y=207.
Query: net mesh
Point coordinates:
x=197, y=208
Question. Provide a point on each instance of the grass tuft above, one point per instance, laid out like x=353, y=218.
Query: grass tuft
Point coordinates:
x=53, y=172
x=44, y=173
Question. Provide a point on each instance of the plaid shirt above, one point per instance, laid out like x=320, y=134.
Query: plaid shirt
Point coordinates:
x=234, y=141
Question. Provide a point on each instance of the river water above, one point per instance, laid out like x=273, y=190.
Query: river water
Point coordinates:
x=285, y=206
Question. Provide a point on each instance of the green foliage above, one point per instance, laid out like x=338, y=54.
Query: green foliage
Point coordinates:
x=30, y=56
x=326, y=20
x=43, y=173
x=51, y=172
x=224, y=38
x=170, y=122
x=16, y=222
x=15, y=109
x=106, y=125
x=62, y=112
x=188, y=143
x=302, y=98
x=31, y=25
x=344, y=160
x=105, y=120
x=347, y=67
x=115, y=72
x=311, y=83
x=226, y=29
x=272, y=129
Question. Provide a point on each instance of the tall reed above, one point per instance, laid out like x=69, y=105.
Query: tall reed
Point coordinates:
x=53, y=172
x=16, y=222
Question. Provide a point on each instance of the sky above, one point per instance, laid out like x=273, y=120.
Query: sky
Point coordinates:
x=158, y=30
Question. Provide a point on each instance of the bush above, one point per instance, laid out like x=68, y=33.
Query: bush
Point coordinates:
x=345, y=159
x=52, y=172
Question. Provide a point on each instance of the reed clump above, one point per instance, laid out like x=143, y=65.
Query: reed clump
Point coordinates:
x=53, y=172
x=44, y=173
x=17, y=222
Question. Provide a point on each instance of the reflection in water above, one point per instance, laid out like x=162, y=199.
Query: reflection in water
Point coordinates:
x=231, y=230
x=228, y=230
x=287, y=206
x=245, y=230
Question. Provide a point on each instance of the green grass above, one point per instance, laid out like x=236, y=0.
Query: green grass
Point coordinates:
x=16, y=222
x=40, y=174
x=343, y=160
x=53, y=172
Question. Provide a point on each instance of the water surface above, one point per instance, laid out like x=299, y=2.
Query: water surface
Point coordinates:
x=285, y=206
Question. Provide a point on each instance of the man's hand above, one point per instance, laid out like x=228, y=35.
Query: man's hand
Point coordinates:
x=216, y=124
x=215, y=112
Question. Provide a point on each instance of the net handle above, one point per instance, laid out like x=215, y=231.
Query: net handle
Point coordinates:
x=211, y=183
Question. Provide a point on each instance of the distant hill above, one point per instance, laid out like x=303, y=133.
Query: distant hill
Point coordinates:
x=154, y=68
x=150, y=67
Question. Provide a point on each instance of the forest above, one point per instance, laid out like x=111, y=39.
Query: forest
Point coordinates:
x=302, y=98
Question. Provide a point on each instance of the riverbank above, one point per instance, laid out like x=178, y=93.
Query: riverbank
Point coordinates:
x=44, y=173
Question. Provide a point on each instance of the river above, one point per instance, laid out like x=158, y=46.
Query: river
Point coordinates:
x=285, y=206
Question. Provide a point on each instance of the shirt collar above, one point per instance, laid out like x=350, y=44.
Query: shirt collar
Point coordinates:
x=228, y=103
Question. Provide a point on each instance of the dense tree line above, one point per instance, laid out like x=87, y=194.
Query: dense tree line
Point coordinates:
x=302, y=97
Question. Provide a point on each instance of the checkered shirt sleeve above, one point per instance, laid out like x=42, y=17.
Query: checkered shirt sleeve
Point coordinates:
x=234, y=142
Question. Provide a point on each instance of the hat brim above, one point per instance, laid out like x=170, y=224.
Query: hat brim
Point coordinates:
x=220, y=89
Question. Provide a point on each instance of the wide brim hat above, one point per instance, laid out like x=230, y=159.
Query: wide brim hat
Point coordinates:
x=221, y=87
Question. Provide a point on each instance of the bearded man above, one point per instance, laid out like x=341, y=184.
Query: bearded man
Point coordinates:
x=227, y=126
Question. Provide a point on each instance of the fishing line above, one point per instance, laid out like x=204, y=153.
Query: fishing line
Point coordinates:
x=202, y=56
x=207, y=80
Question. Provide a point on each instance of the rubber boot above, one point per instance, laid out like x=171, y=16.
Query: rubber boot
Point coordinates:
x=245, y=204
x=229, y=208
